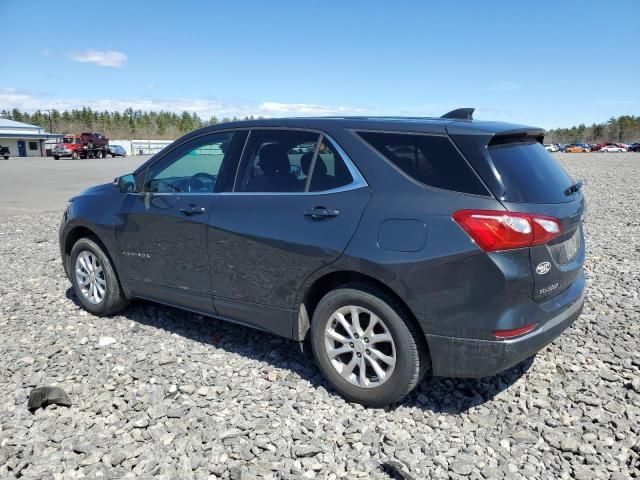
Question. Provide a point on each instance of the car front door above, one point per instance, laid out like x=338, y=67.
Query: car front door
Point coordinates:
x=162, y=236
x=280, y=224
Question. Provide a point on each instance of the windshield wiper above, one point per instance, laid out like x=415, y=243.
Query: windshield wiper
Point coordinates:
x=574, y=188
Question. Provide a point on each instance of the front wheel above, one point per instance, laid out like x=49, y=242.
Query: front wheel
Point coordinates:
x=94, y=279
x=366, y=345
x=99, y=154
x=56, y=157
x=74, y=155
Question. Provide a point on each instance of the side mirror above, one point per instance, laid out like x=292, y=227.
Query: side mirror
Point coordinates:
x=126, y=183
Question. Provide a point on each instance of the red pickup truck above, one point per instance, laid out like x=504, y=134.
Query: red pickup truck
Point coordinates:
x=85, y=145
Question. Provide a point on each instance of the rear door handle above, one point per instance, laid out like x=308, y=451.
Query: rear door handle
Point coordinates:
x=192, y=209
x=318, y=213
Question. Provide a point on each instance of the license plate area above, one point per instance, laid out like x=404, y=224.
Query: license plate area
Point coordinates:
x=565, y=252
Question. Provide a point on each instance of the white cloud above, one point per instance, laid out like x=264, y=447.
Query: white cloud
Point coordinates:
x=103, y=59
x=306, y=109
x=205, y=108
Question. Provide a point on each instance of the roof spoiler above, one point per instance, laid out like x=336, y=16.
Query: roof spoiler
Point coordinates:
x=460, y=114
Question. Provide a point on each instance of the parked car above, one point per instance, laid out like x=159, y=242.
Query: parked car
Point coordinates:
x=576, y=148
x=400, y=247
x=612, y=148
x=4, y=152
x=550, y=147
x=600, y=146
x=634, y=147
x=117, y=151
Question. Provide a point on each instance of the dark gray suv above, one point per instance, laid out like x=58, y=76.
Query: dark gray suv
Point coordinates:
x=397, y=246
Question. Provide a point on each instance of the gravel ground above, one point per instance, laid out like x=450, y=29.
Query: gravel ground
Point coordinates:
x=160, y=393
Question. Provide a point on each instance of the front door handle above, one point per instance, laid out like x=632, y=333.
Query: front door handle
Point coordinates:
x=318, y=213
x=192, y=209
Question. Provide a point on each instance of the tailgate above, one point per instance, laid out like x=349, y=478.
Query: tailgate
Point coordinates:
x=525, y=178
x=556, y=265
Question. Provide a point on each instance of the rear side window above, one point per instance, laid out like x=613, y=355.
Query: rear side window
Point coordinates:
x=429, y=159
x=272, y=161
x=290, y=161
x=329, y=170
x=528, y=172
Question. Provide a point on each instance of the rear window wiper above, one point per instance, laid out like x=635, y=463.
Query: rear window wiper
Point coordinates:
x=574, y=188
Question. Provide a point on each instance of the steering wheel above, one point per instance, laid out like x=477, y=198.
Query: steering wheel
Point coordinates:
x=196, y=183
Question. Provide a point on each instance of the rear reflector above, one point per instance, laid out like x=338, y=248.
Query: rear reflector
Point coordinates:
x=496, y=230
x=515, y=332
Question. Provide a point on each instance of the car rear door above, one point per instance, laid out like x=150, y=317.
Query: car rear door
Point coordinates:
x=279, y=225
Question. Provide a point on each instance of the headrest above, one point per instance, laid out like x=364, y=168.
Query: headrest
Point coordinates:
x=274, y=159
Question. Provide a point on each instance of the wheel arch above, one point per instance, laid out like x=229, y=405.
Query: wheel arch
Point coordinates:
x=332, y=280
x=82, y=231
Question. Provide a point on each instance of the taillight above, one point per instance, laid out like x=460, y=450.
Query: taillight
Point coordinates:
x=501, y=230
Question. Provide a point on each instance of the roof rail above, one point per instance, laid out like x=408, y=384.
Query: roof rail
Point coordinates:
x=460, y=114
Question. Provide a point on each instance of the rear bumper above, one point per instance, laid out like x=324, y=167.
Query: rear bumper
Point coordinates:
x=472, y=358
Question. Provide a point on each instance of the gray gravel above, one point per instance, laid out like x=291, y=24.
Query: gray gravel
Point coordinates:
x=160, y=393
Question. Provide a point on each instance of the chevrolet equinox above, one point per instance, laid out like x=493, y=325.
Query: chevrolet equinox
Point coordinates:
x=396, y=246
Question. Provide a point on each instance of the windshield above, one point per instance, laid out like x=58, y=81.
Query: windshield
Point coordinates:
x=529, y=173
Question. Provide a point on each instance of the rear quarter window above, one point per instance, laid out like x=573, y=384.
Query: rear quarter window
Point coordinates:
x=429, y=159
x=528, y=172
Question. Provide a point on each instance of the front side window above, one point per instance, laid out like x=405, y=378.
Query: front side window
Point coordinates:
x=193, y=169
x=430, y=159
x=290, y=161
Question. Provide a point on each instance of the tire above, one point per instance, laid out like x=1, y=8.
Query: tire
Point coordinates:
x=113, y=155
x=408, y=346
x=74, y=155
x=6, y=157
x=56, y=157
x=99, y=154
x=113, y=299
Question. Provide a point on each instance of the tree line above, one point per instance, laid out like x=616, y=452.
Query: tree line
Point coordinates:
x=131, y=123
x=624, y=129
x=127, y=124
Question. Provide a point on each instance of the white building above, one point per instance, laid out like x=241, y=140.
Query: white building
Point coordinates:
x=24, y=140
x=141, y=147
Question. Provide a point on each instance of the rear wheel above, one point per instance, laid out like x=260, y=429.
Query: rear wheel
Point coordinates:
x=367, y=346
x=99, y=154
x=94, y=279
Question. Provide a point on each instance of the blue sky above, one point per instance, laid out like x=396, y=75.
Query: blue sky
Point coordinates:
x=548, y=63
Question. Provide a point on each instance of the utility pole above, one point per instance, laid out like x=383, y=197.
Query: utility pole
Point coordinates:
x=50, y=127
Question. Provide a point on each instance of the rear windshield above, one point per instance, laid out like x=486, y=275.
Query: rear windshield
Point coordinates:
x=429, y=159
x=528, y=172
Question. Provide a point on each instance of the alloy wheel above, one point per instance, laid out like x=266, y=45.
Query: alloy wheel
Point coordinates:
x=360, y=347
x=90, y=277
